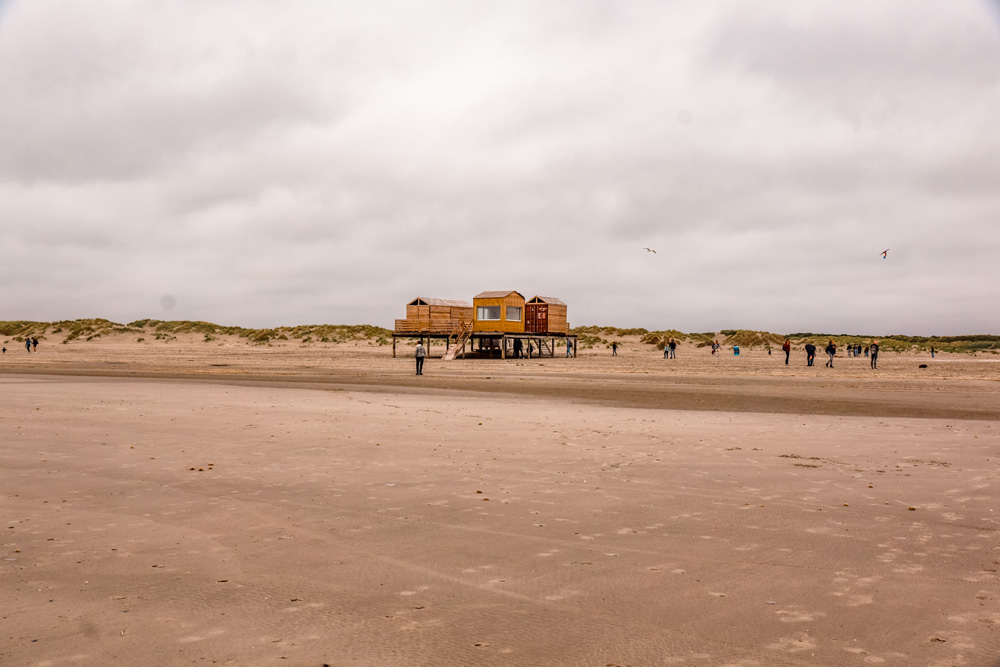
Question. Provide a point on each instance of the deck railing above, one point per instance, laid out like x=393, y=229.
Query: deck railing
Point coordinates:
x=447, y=327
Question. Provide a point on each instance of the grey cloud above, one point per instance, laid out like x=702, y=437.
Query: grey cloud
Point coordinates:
x=330, y=161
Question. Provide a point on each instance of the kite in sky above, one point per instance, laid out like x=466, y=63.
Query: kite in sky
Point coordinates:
x=650, y=250
x=885, y=253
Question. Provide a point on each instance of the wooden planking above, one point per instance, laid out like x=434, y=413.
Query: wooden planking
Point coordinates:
x=557, y=319
x=446, y=327
x=436, y=316
x=501, y=325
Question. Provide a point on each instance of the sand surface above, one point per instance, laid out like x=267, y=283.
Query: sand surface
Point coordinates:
x=200, y=503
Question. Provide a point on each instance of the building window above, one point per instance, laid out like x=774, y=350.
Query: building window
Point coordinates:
x=488, y=313
x=513, y=314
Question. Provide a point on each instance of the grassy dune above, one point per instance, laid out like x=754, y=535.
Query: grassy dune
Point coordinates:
x=589, y=336
x=597, y=335
x=161, y=330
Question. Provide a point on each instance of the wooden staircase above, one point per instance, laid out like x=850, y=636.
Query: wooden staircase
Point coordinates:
x=461, y=336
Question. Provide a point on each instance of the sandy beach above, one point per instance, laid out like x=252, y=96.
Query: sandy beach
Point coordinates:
x=222, y=503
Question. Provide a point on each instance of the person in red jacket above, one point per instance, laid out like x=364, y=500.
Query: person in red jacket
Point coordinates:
x=787, y=347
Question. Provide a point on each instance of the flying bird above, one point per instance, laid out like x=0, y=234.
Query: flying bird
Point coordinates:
x=885, y=253
x=650, y=250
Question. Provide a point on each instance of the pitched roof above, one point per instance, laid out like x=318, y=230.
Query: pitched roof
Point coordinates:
x=497, y=295
x=454, y=303
x=547, y=299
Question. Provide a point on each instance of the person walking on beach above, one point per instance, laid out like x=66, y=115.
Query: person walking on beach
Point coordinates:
x=932, y=352
x=614, y=349
x=569, y=348
x=715, y=346
x=786, y=347
x=810, y=354
x=874, y=354
x=673, y=348
x=27, y=345
x=831, y=350
x=34, y=345
x=420, y=354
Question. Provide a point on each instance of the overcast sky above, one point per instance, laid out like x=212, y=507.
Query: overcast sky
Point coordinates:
x=261, y=163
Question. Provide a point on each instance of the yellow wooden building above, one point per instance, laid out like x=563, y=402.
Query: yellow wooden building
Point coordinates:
x=498, y=312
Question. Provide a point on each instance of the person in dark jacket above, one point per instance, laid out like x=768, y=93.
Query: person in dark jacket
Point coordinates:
x=831, y=350
x=420, y=354
x=874, y=354
x=810, y=354
x=787, y=349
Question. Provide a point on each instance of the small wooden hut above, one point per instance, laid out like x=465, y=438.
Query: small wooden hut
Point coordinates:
x=435, y=316
x=545, y=315
x=500, y=312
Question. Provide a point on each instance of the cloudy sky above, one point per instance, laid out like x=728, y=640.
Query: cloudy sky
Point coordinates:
x=266, y=163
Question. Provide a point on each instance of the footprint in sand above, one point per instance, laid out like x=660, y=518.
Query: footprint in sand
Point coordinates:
x=797, y=644
x=797, y=616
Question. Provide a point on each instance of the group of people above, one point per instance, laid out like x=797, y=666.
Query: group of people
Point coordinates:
x=519, y=349
x=870, y=351
x=30, y=345
x=855, y=350
x=670, y=351
x=421, y=352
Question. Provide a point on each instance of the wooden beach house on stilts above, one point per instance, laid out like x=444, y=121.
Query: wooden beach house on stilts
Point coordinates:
x=505, y=322
x=427, y=319
x=495, y=323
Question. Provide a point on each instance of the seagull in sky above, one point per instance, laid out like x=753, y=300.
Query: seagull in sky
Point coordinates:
x=885, y=253
x=650, y=250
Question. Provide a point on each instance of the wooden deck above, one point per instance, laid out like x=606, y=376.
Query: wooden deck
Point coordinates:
x=436, y=327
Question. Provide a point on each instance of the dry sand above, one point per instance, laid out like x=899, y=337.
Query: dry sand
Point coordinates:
x=199, y=503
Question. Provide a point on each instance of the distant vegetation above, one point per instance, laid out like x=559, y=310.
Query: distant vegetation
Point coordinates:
x=593, y=335
x=900, y=343
x=589, y=336
x=167, y=331
x=752, y=339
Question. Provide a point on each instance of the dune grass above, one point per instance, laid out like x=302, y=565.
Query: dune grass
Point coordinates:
x=90, y=329
x=588, y=336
